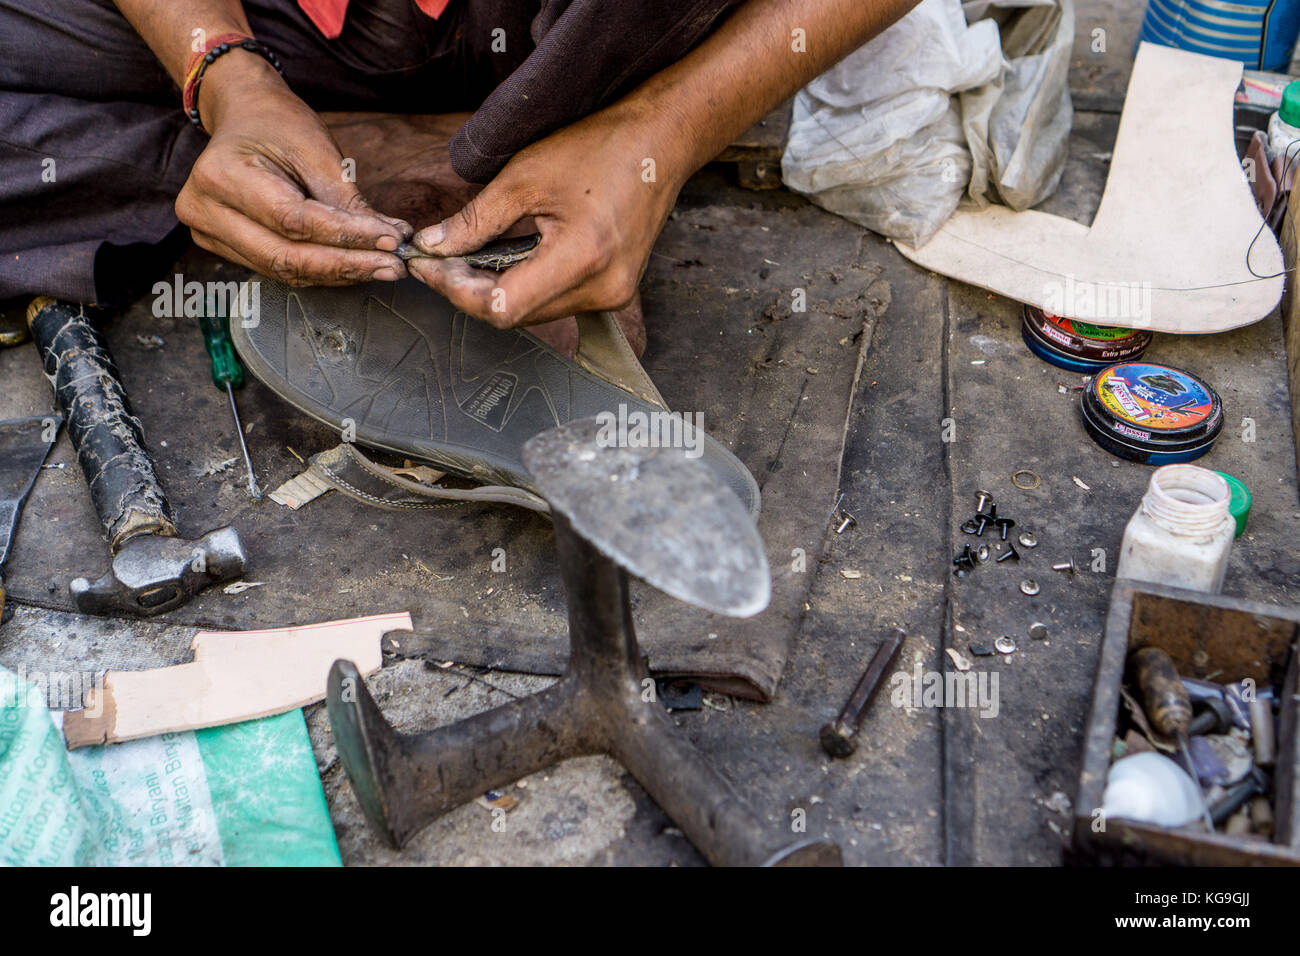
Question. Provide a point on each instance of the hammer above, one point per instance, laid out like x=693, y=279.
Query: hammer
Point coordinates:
x=154, y=569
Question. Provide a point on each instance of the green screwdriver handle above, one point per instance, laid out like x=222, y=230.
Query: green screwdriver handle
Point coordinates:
x=216, y=336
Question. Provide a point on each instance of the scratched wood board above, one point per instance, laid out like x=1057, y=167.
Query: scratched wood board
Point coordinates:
x=772, y=384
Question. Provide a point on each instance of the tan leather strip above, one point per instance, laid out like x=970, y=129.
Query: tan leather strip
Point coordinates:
x=349, y=471
x=603, y=350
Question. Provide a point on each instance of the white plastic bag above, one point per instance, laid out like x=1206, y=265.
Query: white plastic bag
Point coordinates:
x=1018, y=128
x=895, y=134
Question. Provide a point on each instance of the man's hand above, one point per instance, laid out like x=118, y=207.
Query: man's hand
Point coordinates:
x=590, y=186
x=269, y=191
x=598, y=191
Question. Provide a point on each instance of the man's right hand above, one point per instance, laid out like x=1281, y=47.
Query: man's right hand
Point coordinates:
x=270, y=191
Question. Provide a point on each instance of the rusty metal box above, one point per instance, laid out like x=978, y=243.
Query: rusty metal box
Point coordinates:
x=1208, y=636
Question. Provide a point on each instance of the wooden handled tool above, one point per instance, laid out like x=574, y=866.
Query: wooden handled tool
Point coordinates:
x=1166, y=702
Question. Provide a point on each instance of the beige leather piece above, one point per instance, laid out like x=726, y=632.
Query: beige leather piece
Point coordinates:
x=603, y=350
x=235, y=676
x=302, y=489
x=1168, y=247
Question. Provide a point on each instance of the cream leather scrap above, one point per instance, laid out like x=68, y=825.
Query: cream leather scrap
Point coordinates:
x=235, y=675
x=1167, y=249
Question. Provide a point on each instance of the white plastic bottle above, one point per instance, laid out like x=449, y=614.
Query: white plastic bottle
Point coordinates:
x=1151, y=788
x=1284, y=126
x=1182, y=531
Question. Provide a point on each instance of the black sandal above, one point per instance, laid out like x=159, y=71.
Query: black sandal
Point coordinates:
x=394, y=366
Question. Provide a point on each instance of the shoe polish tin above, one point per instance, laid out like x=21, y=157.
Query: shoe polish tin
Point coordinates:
x=1151, y=413
x=1079, y=346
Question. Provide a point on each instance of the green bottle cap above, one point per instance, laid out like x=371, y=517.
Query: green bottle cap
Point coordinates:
x=1239, y=503
x=1290, y=110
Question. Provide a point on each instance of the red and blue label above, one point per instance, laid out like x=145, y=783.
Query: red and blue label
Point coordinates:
x=1154, y=398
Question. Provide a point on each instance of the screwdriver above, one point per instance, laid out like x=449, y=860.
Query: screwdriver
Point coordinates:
x=1167, y=704
x=227, y=374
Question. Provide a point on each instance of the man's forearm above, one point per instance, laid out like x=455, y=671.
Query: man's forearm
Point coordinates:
x=760, y=56
x=174, y=28
x=168, y=26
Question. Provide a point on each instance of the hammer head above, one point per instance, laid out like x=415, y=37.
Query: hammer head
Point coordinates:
x=152, y=574
x=838, y=740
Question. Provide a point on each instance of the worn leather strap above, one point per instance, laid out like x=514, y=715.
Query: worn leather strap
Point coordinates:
x=346, y=469
x=603, y=350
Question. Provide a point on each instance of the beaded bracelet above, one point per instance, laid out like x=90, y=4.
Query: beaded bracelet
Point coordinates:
x=201, y=60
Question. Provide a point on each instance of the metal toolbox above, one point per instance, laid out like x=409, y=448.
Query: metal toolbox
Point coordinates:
x=1208, y=636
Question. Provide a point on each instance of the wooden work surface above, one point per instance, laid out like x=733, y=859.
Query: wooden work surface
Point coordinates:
x=926, y=786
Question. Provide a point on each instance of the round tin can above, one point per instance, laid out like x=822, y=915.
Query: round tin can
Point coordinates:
x=1151, y=413
x=1079, y=346
x=1059, y=359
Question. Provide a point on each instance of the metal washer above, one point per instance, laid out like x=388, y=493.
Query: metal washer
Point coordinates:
x=1025, y=480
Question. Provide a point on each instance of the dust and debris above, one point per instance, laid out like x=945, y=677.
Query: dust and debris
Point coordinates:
x=420, y=566
x=216, y=467
x=1079, y=481
x=239, y=587
x=496, y=800
x=958, y=661
x=1058, y=802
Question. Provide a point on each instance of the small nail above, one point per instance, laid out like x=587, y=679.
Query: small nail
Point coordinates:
x=386, y=243
x=386, y=274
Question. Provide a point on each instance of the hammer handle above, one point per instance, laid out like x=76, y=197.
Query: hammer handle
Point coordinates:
x=108, y=439
x=1163, y=694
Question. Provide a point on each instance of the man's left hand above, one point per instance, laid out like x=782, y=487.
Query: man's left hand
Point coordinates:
x=598, y=191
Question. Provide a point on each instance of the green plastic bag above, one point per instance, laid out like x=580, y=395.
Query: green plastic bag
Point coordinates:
x=246, y=794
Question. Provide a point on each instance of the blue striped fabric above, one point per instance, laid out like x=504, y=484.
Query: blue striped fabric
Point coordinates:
x=1259, y=33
